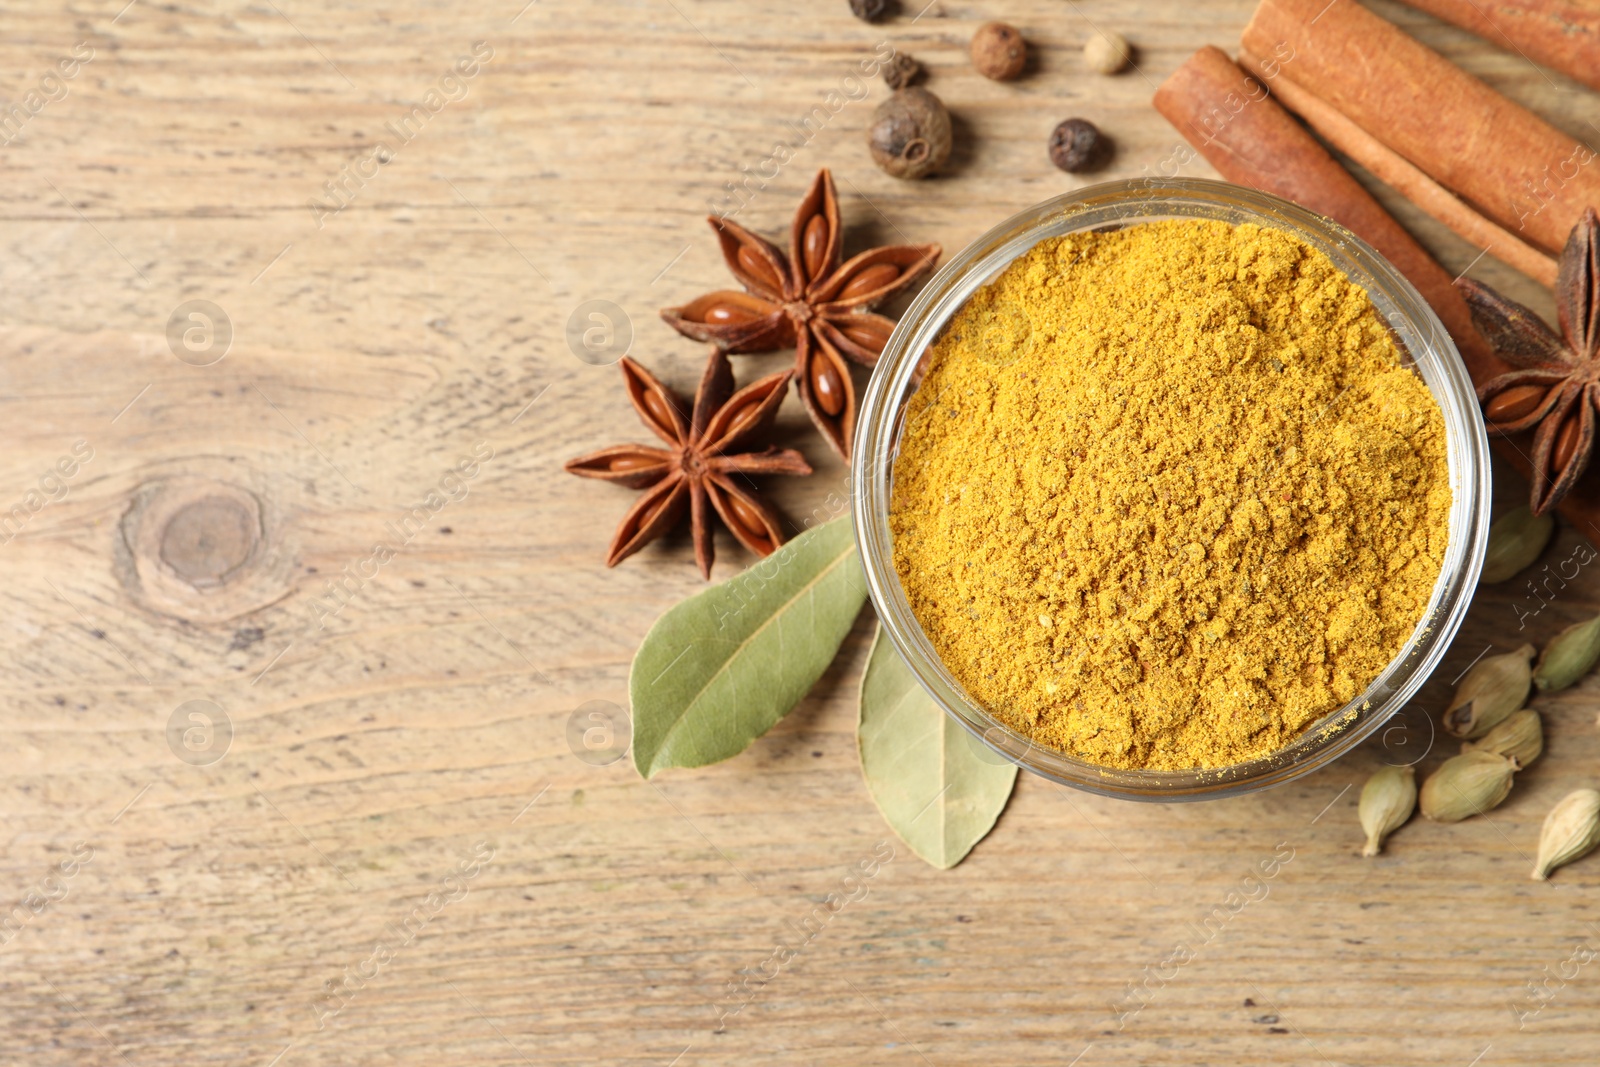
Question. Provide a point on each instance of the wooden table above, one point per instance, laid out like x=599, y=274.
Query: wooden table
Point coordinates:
x=227, y=789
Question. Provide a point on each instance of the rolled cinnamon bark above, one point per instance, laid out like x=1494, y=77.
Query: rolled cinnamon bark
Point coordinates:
x=1562, y=34
x=1393, y=169
x=1516, y=168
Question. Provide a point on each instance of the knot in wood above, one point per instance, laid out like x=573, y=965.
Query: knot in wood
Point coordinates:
x=206, y=540
x=198, y=548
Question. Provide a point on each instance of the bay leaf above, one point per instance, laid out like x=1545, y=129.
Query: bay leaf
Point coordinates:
x=717, y=670
x=939, y=788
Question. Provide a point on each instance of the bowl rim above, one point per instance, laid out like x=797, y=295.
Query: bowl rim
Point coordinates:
x=1424, y=343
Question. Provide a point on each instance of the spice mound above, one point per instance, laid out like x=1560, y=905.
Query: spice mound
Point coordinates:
x=1168, y=496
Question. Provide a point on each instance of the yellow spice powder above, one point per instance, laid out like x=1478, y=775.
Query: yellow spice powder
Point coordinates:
x=1167, y=495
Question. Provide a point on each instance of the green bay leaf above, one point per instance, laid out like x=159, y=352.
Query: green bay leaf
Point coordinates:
x=939, y=788
x=720, y=668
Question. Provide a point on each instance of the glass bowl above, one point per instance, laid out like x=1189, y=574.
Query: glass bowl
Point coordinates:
x=1426, y=347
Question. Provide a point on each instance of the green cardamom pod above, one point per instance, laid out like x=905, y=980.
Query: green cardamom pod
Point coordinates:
x=1387, y=801
x=1520, y=736
x=1569, y=656
x=1465, y=785
x=1493, y=688
x=1571, y=831
x=1515, y=541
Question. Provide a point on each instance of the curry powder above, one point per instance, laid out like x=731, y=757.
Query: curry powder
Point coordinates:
x=1167, y=495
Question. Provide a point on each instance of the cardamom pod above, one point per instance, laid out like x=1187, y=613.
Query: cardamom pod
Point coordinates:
x=1387, y=801
x=1465, y=785
x=1493, y=688
x=1515, y=541
x=1520, y=736
x=1570, y=832
x=1569, y=656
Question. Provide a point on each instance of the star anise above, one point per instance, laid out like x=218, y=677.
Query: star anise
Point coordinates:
x=701, y=466
x=811, y=299
x=1556, y=385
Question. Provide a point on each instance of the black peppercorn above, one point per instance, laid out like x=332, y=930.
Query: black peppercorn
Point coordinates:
x=869, y=10
x=1077, y=144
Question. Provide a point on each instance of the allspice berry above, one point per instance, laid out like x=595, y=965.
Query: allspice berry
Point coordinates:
x=1078, y=145
x=869, y=10
x=1107, y=53
x=910, y=133
x=998, y=51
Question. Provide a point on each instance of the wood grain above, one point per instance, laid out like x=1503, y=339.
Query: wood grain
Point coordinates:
x=385, y=739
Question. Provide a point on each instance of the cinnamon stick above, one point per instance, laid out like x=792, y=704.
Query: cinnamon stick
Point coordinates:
x=1251, y=140
x=1394, y=170
x=1561, y=34
x=1516, y=168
